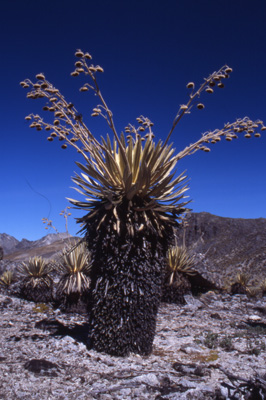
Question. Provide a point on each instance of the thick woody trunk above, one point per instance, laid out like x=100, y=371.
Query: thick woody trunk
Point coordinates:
x=126, y=281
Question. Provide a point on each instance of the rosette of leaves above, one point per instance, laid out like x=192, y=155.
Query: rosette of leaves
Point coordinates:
x=36, y=283
x=180, y=266
x=72, y=290
x=6, y=279
x=132, y=204
x=240, y=285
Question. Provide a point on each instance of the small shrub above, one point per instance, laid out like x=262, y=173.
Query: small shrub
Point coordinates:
x=6, y=279
x=73, y=286
x=240, y=285
x=211, y=340
x=36, y=282
x=179, y=266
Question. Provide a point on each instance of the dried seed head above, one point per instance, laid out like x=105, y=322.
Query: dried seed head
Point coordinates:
x=47, y=128
x=190, y=85
x=200, y=106
x=209, y=90
x=228, y=70
x=58, y=114
x=141, y=128
x=50, y=139
x=220, y=85
x=53, y=134
x=95, y=114
x=88, y=56
x=70, y=105
x=206, y=149
x=64, y=146
x=61, y=138
x=75, y=73
x=80, y=70
x=79, y=53
x=52, y=109
x=247, y=135
x=40, y=76
x=98, y=68
x=84, y=89
x=78, y=64
x=228, y=138
x=53, y=99
x=28, y=118
x=257, y=134
x=44, y=85
x=45, y=108
x=183, y=107
x=36, y=86
x=263, y=128
x=56, y=122
x=211, y=84
x=33, y=125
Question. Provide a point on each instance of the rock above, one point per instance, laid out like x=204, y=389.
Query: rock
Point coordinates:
x=44, y=353
x=41, y=366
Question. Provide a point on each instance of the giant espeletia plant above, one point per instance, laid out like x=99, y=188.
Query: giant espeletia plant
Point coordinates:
x=133, y=199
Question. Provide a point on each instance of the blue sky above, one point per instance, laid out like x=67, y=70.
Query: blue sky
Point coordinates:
x=149, y=51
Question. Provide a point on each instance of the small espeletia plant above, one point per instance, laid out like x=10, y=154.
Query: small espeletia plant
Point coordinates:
x=36, y=283
x=6, y=279
x=72, y=290
x=240, y=284
x=133, y=202
x=180, y=265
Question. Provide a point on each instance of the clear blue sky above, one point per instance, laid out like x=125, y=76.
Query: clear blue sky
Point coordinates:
x=149, y=50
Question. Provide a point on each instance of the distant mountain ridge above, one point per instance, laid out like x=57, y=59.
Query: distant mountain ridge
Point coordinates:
x=11, y=245
x=222, y=246
x=226, y=245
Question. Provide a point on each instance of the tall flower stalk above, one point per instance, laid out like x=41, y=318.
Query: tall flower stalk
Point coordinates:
x=133, y=200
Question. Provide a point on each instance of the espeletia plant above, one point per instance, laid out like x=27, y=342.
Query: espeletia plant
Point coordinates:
x=72, y=290
x=36, y=283
x=180, y=266
x=133, y=201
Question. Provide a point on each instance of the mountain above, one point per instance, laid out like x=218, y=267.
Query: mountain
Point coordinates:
x=222, y=246
x=7, y=242
x=226, y=245
x=10, y=244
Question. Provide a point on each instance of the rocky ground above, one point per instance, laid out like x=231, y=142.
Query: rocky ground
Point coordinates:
x=213, y=347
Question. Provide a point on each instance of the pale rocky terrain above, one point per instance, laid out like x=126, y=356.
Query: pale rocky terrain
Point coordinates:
x=209, y=348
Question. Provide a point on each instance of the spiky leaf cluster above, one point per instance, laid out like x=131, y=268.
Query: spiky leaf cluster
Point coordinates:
x=7, y=278
x=36, y=283
x=179, y=261
x=75, y=267
x=36, y=270
x=144, y=172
